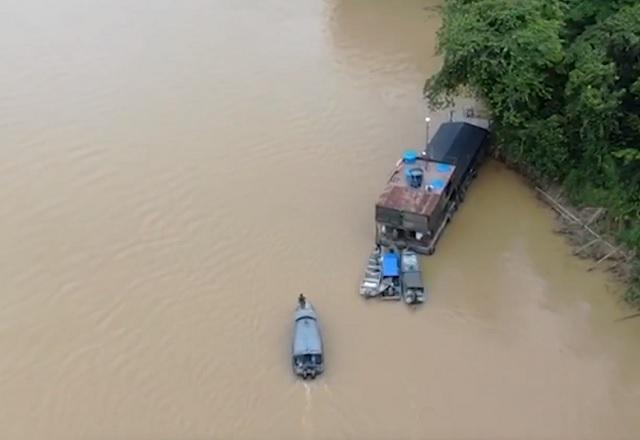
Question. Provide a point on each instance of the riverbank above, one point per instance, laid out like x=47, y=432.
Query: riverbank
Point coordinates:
x=588, y=229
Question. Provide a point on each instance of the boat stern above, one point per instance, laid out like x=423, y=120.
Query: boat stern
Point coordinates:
x=308, y=366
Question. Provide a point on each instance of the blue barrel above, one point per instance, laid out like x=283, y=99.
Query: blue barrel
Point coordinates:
x=414, y=176
x=409, y=157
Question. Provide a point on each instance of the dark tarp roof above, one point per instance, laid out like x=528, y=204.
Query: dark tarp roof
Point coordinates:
x=456, y=143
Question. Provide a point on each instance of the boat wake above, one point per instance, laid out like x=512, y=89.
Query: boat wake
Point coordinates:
x=307, y=426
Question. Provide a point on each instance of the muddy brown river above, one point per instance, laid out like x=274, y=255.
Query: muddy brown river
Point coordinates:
x=173, y=174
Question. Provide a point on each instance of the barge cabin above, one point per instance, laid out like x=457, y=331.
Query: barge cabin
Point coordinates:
x=425, y=190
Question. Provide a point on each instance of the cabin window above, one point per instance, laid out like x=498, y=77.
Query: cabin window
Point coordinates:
x=305, y=359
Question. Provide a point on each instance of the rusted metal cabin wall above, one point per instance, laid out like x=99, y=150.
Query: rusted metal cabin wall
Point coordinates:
x=402, y=220
x=390, y=217
x=415, y=222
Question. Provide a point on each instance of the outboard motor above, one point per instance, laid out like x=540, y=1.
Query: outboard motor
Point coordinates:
x=412, y=172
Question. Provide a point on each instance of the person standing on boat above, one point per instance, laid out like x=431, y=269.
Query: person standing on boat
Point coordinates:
x=302, y=300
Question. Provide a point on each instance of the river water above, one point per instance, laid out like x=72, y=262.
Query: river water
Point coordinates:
x=173, y=174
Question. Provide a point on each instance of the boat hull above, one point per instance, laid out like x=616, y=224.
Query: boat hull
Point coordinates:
x=307, y=354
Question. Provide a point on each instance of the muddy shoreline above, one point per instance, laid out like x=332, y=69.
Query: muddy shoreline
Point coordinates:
x=587, y=229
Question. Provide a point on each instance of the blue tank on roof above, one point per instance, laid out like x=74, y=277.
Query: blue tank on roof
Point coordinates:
x=413, y=172
x=443, y=168
x=414, y=176
x=437, y=184
x=409, y=157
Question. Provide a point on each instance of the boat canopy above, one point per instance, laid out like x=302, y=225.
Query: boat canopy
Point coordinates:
x=412, y=280
x=307, y=337
x=390, y=267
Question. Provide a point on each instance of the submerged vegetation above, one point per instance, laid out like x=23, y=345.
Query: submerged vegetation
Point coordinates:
x=562, y=80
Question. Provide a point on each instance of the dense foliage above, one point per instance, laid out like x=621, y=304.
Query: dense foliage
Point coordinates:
x=562, y=79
